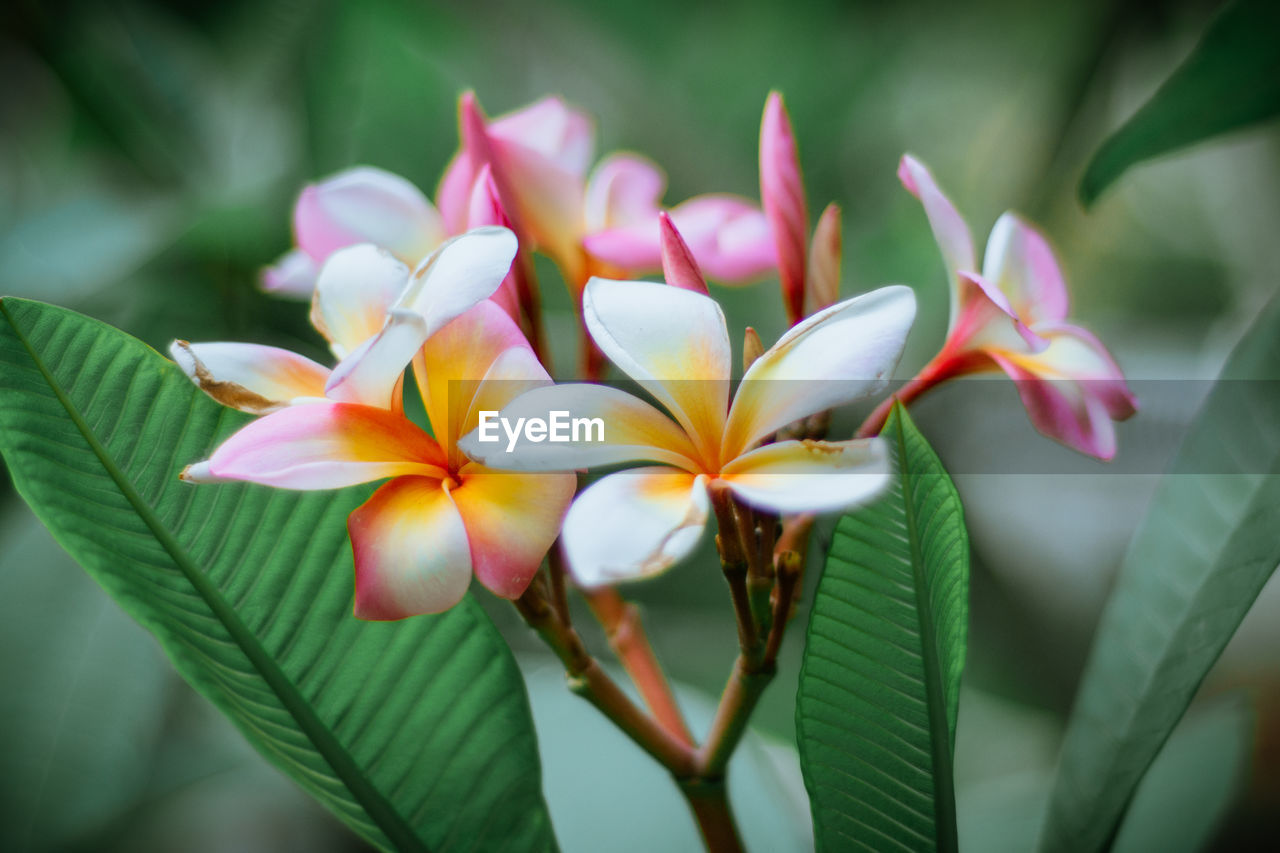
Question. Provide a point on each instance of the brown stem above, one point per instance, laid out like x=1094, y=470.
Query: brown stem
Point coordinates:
x=621, y=622
x=905, y=395
x=709, y=801
x=790, y=569
x=947, y=364
x=588, y=680
x=755, y=668
x=530, y=304
x=556, y=572
x=733, y=561
x=743, y=690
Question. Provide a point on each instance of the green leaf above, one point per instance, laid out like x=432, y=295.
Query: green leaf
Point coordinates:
x=879, y=688
x=417, y=734
x=1208, y=544
x=1230, y=80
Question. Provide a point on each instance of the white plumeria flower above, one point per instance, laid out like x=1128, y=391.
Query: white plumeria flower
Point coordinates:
x=675, y=344
x=375, y=314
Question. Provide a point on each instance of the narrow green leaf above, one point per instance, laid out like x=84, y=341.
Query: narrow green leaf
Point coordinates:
x=417, y=734
x=1230, y=80
x=880, y=683
x=1207, y=546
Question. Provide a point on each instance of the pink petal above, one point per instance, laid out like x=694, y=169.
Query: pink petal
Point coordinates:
x=453, y=195
x=635, y=248
x=538, y=156
x=987, y=320
x=412, y=555
x=949, y=228
x=624, y=189
x=1020, y=262
x=294, y=274
x=553, y=130
x=1072, y=390
x=728, y=236
x=678, y=265
x=326, y=446
x=486, y=209
x=366, y=205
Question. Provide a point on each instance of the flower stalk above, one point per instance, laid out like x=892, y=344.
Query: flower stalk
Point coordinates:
x=630, y=643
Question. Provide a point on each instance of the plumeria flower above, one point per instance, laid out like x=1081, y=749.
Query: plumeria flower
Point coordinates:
x=540, y=155
x=440, y=518
x=674, y=342
x=1011, y=317
x=375, y=315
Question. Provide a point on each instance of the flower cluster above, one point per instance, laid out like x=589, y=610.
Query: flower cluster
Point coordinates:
x=445, y=291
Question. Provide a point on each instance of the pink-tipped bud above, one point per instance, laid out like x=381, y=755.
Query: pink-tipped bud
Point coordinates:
x=782, y=196
x=678, y=265
x=823, y=285
x=752, y=348
x=471, y=127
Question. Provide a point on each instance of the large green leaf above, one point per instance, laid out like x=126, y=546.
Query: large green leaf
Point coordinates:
x=1210, y=540
x=876, y=709
x=417, y=734
x=1230, y=80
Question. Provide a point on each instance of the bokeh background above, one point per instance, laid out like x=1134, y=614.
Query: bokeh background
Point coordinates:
x=149, y=156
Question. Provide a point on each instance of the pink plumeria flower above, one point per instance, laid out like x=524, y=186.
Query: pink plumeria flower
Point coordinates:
x=361, y=205
x=1011, y=317
x=375, y=315
x=675, y=344
x=440, y=518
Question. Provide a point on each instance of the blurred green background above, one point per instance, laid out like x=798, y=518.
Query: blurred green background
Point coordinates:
x=149, y=157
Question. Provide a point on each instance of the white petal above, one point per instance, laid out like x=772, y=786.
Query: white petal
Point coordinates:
x=634, y=524
x=632, y=431
x=810, y=476
x=838, y=355
x=366, y=205
x=250, y=377
x=673, y=342
x=459, y=275
x=355, y=289
x=462, y=273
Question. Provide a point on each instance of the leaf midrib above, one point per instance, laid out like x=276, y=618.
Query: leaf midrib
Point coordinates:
x=379, y=809
x=944, y=802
